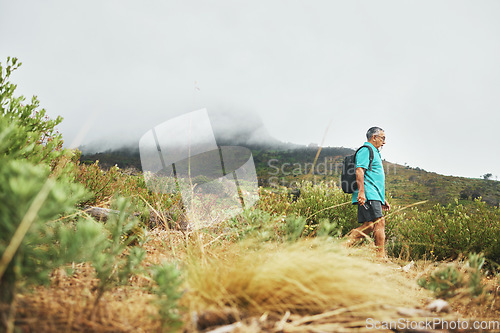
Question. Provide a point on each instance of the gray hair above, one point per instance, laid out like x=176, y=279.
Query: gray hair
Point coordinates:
x=373, y=131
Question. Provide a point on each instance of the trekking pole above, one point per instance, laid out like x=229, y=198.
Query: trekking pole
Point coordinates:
x=334, y=206
x=388, y=215
x=403, y=208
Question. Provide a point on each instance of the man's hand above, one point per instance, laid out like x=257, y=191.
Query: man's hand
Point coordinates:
x=361, y=198
x=386, y=207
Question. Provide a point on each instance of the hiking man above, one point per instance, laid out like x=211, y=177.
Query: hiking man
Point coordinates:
x=370, y=195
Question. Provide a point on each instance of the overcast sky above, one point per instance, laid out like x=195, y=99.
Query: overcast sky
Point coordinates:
x=428, y=72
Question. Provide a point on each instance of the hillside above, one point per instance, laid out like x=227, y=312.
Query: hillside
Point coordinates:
x=286, y=164
x=149, y=262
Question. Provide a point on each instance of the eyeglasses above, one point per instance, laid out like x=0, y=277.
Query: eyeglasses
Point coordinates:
x=382, y=137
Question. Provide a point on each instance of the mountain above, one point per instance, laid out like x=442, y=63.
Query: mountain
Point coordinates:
x=285, y=164
x=289, y=164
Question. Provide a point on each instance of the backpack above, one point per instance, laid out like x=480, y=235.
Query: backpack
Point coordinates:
x=348, y=175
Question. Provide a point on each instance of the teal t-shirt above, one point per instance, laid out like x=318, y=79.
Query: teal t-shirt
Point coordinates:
x=374, y=179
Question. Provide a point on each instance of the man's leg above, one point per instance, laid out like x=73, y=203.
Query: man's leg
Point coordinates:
x=360, y=232
x=379, y=235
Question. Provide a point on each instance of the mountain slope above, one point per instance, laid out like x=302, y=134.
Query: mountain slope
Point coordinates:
x=288, y=164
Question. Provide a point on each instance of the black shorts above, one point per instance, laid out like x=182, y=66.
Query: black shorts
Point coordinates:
x=370, y=211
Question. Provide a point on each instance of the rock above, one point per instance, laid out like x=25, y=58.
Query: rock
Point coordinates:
x=165, y=219
x=100, y=214
x=439, y=305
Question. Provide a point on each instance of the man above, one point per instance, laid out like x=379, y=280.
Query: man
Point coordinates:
x=370, y=195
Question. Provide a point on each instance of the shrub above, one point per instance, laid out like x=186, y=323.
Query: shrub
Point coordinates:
x=30, y=201
x=317, y=202
x=32, y=133
x=29, y=205
x=34, y=238
x=167, y=289
x=102, y=184
x=111, y=256
x=445, y=232
x=450, y=279
x=325, y=201
x=105, y=184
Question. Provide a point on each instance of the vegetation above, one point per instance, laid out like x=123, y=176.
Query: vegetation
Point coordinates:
x=39, y=194
x=289, y=167
x=455, y=279
x=446, y=232
x=278, y=266
x=33, y=192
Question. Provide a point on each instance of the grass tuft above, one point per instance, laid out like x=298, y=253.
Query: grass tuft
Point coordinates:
x=309, y=276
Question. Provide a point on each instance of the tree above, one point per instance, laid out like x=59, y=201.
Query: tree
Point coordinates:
x=487, y=176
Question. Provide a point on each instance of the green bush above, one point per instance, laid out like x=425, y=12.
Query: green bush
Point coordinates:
x=168, y=291
x=317, y=202
x=36, y=198
x=32, y=134
x=105, y=184
x=450, y=279
x=445, y=232
x=34, y=192
x=325, y=201
x=30, y=204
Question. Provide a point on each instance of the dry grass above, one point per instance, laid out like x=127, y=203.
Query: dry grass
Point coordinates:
x=307, y=277
x=67, y=306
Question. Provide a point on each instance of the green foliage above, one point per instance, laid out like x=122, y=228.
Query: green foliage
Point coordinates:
x=31, y=198
x=167, y=289
x=102, y=184
x=322, y=201
x=112, y=258
x=33, y=136
x=105, y=184
x=321, y=210
x=257, y=224
x=274, y=202
x=328, y=228
x=20, y=183
x=36, y=198
x=445, y=232
x=444, y=282
x=294, y=227
x=317, y=202
x=263, y=226
x=487, y=176
x=450, y=280
x=476, y=263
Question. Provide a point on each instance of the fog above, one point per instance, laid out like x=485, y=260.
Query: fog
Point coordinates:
x=427, y=72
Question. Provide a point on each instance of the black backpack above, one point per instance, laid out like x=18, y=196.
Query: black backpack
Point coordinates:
x=348, y=175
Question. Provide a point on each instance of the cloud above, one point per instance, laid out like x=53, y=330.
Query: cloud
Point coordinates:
x=426, y=71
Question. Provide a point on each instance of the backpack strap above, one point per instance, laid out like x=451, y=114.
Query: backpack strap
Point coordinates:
x=371, y=156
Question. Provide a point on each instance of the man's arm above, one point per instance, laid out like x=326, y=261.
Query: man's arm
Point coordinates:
x=360, y=180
